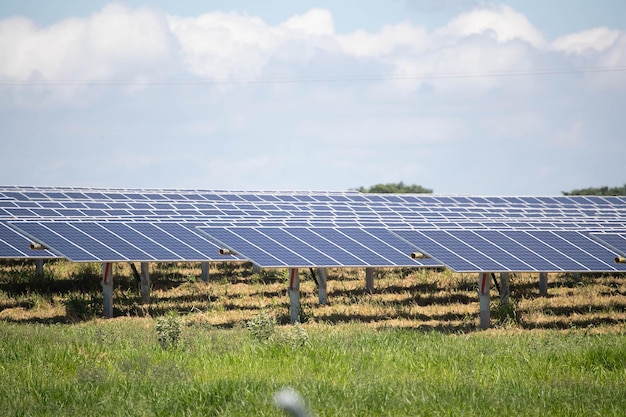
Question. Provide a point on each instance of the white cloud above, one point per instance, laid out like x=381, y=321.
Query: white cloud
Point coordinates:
x=315, y=22
x=396, y=38
x=501, y=23
x=143, y=44
x=231, y=46
x=223, y=45
x=116, y=42
x=597, y=40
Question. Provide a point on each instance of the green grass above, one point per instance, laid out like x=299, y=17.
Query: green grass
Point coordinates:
x=118, y=368
x=411, y=348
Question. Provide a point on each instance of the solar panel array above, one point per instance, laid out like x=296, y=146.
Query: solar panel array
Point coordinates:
x=308, y=228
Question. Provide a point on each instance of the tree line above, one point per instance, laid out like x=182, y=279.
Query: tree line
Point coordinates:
x=402, y=188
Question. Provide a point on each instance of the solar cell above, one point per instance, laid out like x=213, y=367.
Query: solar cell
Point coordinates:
x=188, y=237
x=55, y=241
x=14, y=245
x=141, y=239
x=231, y=240
x=615, y=241
x=509, y=245
x=584, y=249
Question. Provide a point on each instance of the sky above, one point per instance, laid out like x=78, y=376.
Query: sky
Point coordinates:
x=459, y=96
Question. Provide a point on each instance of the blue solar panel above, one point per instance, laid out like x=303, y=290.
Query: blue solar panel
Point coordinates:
x=509, y=245
x=358, y=249
x=125, y=249
x=511, y=250
x=56, y=242
x=456, y=254
x=616, y=241
x=395, y=250
x=342, y=256
x=117, y=242
x=570, y=250
x=188, y=240
x=14, y=245
x=309, y=247
x=140, y=239
x=313, y=255
x=231, y=240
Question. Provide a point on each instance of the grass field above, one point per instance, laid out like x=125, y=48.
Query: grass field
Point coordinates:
x=411, y=348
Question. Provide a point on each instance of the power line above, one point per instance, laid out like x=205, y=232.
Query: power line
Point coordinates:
x=305, y=80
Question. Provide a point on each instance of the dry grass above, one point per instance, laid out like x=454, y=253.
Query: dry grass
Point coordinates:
x=424, y=299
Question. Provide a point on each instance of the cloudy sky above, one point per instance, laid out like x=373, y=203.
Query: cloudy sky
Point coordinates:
x=461, y=96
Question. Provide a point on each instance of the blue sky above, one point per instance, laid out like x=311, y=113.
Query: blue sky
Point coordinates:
x=464, y=97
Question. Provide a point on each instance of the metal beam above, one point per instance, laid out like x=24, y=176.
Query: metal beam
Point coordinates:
x=505, y=291
x=321, y=285
x=39, y=267
x=369, y=279
x=107, y=289
x=294, y=296
x=145, y=283
x=543, y=283
x=205, y=271
x=484, y=281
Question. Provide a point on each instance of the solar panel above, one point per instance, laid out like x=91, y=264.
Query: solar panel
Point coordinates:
x=120, y=242
x=615, y=241
x=14, y=245
x=513, y=250
x=314, y=246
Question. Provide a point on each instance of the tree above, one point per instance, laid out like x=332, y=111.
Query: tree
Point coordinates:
x=598, y=191
x=395, y=188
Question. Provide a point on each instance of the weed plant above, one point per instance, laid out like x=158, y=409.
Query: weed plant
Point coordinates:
x=262, y=327
x=168, y=329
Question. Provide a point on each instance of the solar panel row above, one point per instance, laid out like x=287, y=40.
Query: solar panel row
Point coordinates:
x=104, y=194
x=464, y=233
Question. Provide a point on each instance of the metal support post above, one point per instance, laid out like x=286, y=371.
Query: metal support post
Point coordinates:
x=107, y=289
x=321, y=285
x=256, y=269
x=39, y=267
x=145, y=283
x=294, y=296
x=543, y=283
x=505, y=291
x=369, y=279
x=483, y=297
x=205, y=271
